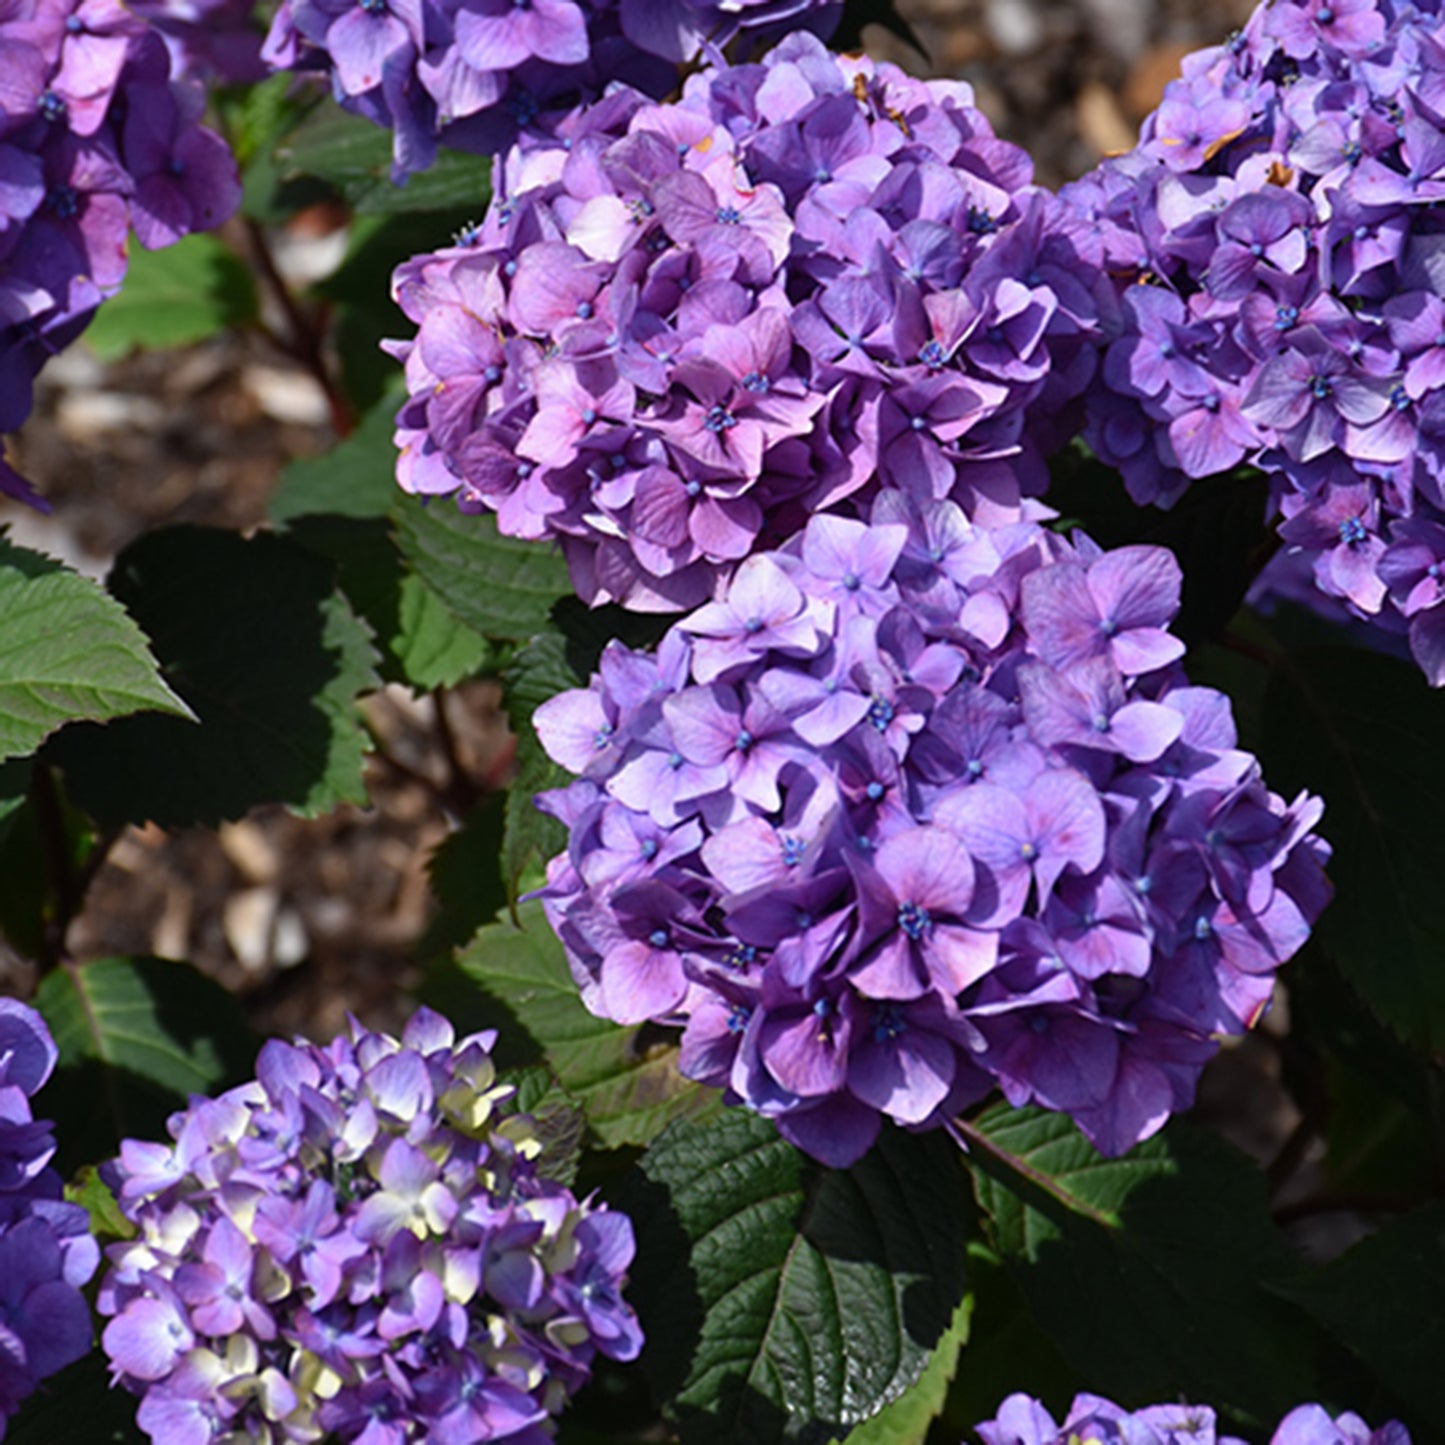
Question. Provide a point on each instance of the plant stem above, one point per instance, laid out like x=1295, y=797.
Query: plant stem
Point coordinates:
x=305, y=344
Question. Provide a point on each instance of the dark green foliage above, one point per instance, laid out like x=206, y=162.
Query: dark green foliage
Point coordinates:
x=625, y=1079
x=782, y=1300
x=1364, y=731
x=137, y=1037
x=1157, y=1274
x=174, y=297
x=66, y=651
x=253, y=635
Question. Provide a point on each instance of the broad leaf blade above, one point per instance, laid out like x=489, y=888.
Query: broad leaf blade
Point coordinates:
x=1155, y=1273
x=1382, y=1300
x=174, y=297
x=67, y=651
x=784, y=1301
x=502, y=587
x=356, y=478
x=1365, y=731
x=354, y=156
x=530, y=837
x=78, y=1405
x=906, y=1420
x=137, y=1037
x=628, y=1087
x=254, y=636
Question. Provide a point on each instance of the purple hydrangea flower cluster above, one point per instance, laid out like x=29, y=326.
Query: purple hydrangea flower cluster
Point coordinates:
x=358, y=1245
x=680, y=330
x=475, y=74
x=1280, y=216
x=916, y=808
x=46, y=1250
x=96, y=138
x=1095, y=1421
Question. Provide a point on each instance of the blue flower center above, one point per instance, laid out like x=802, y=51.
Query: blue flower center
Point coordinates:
x=743, y=741
x=658, y=938
x=874, y=791
x=880, y=713
x=1321, y=387
x=932, y=355
x=729, y=215
x=756, y=381
x=737, y=1019
x=888, y=1023
x=649, y=848
x=719, y=419
x=1352, y=531
x=52, y=107
x=914, y=920
x=1324, y=16
x=793, y=851
x=64, y=201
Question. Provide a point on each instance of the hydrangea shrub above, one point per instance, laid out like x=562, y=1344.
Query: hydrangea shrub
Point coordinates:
x=97, y=139
x=1277, y=251
x=680, y=330
x=46, y=1250
x=915, y=809
x=1095, y=1421
x=359, y=1245
x=878, y=798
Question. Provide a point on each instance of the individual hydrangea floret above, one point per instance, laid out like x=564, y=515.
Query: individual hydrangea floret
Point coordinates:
x=96, y=139
x=476, y=74
x=680, y=330
x=1095, y=1421
x=46, y=1250
x=1278, y=246
x=358, y=1245
x=917, y=808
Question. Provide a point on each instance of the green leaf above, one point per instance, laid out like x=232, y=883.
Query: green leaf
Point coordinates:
x=1365, y=731
x=502, y=587
x=255, y=638
x=1382, y=1300
x=93, y=1195
x=786, y=1301
x=906, y=1420
x=1155, y=1273
x=137, y=1037
x=466, y=879
x=561, y=1126
x=628, y=1087
x=67, y=651
x=174, y=297
x=539, y=671
x=356, y=478
x=420, y=642
x=354, y=156
x=78, y=1399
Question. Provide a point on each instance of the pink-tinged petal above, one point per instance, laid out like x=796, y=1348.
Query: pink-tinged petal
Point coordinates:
x=640, y=982
x=807, y=1056
x=929, y=867
x=892, y=971
x=906, y=1077
x=1144, y=649
x=958, y=957
x=1068, y=824
x=1144, y=731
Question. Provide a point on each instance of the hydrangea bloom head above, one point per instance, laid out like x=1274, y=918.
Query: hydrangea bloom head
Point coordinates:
x=918, y=808
x=96, y=139
x=358, y=1245
x=1095, y=1421
x=1279, y=251
x=680, y=330
x=475, y=74
x=46, y=1250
